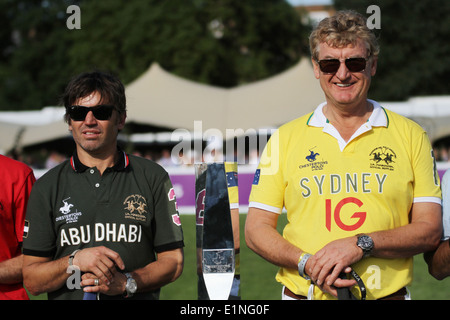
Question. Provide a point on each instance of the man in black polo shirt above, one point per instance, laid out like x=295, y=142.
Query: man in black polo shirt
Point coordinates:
x=108, y=215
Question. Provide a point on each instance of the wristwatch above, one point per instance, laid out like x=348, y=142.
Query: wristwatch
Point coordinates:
x=365, y=242
x=130, y=287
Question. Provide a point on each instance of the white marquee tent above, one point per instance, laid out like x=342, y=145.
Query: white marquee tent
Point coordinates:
x=162, y=99
x=432, y=113
x=22, y=128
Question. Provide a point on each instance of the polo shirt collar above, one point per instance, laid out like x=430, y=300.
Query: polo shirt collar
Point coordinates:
x=121, y=163
x=378, y=118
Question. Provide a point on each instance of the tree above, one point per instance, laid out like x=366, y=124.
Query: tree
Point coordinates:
x=219, y=42
x=415, y=50
x=32, y=56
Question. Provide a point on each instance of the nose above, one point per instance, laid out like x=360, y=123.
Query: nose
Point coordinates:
x=90, y=119
x=343, y=72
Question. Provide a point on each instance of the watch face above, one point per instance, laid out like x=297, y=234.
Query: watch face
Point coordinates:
x=365, y=242
x=132, y=287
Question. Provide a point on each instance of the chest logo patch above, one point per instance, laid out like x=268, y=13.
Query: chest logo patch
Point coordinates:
x=382, y=158
x=135, y=207
x=67, y=213
x=313, y=161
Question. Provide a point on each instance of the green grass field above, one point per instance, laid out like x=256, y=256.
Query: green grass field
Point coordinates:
x=258, y=276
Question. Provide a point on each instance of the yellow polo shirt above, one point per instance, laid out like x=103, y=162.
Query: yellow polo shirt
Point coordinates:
x=333, y=189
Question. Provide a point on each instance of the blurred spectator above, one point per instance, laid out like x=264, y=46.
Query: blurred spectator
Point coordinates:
x=166, y=159
x=53, y=160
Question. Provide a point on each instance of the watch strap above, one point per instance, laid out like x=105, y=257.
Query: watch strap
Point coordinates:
x=72, y=255
x=301, y=265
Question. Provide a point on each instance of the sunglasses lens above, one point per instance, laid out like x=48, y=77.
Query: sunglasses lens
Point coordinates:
x=352, y=64
x=356, y=64
x=78, y=113
x=103, y=112
x=329, y=65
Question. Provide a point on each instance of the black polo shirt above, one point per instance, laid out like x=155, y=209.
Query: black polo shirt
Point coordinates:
x=130, y=208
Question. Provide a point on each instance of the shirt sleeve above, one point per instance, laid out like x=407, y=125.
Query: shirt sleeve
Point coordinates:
x=446, y=204
x=168, y=230
x=232, y=184
x=268, y=183
x=426, y=178
x=39, y=238
x=20, y=204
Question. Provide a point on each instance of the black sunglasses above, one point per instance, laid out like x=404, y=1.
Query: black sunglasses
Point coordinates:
x=101, y=112
x=352, y=64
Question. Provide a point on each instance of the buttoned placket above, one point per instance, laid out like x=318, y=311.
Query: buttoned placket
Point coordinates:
x=100, y=183
x=331, y=130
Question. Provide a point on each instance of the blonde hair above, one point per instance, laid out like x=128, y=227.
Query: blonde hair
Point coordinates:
x=341, y=30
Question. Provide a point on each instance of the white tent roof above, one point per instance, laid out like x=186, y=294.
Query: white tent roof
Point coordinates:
x=45, y=116
x=9, y=133
x=432, y=113
x=31, y=127
x=163, y=99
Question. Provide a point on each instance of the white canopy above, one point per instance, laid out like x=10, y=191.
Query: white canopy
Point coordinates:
x=163, y=99
x=432, y=113
x=22, y=128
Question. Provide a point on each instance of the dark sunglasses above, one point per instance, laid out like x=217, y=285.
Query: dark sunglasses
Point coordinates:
x=101, y=112
x=352, y=64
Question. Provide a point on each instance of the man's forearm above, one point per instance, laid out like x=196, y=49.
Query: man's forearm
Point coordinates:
x=422, y=234
x=166, y=269
x=404, y=242
x=439, y=261
x=262, y=237
x=11, y=270
x=41, y=275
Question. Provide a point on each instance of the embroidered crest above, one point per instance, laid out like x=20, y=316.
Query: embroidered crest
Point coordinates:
x=135, y=207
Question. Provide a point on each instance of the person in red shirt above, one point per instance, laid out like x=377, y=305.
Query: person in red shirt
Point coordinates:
x=16, y=180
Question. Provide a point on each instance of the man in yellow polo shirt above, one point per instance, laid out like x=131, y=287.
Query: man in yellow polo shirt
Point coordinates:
x=358, y=182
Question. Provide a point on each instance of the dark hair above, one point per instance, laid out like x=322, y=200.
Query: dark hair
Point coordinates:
x=109, y=87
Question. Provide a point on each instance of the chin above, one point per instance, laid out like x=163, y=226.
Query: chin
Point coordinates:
x=89, y=147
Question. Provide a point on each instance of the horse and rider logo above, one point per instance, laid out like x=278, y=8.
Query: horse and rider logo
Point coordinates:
x=382, y=158
x=66, y=210
x=135, y=207
x=312, y=156
x=313, y=161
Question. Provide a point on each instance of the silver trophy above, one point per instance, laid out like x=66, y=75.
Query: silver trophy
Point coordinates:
x=215, y=243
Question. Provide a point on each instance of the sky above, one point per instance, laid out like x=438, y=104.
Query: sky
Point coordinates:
x=309, y=2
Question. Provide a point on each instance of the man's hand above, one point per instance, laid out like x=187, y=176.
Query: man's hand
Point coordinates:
x=115, y=287
x=100, y=262
x=325, y=266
